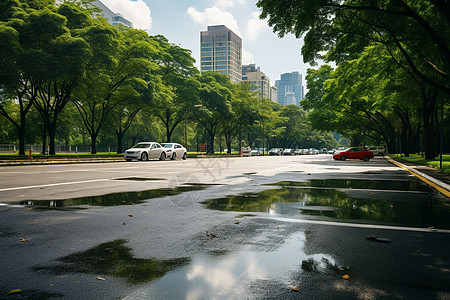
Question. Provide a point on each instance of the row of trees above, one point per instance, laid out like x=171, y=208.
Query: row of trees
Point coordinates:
x=391, y=83
x=66, y=73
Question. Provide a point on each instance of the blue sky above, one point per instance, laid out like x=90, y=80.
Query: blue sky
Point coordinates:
x=181, y=21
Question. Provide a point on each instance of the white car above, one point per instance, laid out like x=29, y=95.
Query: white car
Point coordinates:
x=288, y=152
x=145, y=151
x=174, y=150
x=378, y=150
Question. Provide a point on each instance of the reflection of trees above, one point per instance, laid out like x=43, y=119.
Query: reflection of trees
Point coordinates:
x=126, y=198
x=408, y=212
x=114, y=259
x=399, y=185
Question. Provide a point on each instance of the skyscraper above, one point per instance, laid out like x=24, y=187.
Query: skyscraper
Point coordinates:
x=289, y=89
x=221, y=51
x=258, y=81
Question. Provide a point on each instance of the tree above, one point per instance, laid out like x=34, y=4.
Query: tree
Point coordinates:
x=117, y=70
x=177, y=71
x=214, y=104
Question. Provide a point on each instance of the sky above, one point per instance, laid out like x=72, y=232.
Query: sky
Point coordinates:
x=181, y=21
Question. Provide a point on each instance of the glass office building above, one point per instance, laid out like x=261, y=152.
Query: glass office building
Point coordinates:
x=289, y=89
x=221, y=51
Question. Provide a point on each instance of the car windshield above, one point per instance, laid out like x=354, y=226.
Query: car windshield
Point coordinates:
x=142, y=145
x=167, y=145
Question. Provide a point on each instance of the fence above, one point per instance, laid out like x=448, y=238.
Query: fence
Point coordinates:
x=14, y=148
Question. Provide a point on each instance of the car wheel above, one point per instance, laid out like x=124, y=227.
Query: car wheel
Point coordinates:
x=128, y=159
x=163, y=156
x=184, y=156
x=366, y=158
x=144, y=156
x=174, y=156
x=343, y=157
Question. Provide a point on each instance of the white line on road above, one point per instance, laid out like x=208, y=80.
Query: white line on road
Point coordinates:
x=52, y=184
x=357, y=225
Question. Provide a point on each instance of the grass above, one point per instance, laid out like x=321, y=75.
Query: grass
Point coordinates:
x=434, y=163
x=60, y=155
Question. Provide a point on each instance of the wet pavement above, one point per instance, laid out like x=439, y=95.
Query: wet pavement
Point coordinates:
x=306, y=228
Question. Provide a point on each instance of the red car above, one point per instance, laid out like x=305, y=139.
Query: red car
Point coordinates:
x=354, y=153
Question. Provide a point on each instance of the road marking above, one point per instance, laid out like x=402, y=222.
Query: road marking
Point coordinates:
x=51, y=184
x=442, y=190
x=358, y=225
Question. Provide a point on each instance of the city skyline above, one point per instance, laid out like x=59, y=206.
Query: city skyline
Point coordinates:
x=260, y=46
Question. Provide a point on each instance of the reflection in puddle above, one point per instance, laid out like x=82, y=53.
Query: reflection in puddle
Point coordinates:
x=114, y=259
x=327, y=203
x=126, y=198
x=399, y=185
x=231, y=275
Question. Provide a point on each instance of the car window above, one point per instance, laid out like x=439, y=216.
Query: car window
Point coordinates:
x=167, y=145
x=157, y=145
x=177, y=146
x=141, y=146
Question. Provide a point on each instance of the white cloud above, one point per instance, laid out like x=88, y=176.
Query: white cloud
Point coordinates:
x=247, y=57
x=227, y=3
x=136, y=11
x=255, y=26
x=214, y=16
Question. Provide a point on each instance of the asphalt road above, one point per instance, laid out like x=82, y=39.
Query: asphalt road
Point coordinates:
x=230, y=228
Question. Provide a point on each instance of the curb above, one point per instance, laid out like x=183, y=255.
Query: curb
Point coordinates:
x=442, y=187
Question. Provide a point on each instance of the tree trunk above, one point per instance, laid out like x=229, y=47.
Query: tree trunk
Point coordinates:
x=21, y=132
x=120, y=135
x=93, y=144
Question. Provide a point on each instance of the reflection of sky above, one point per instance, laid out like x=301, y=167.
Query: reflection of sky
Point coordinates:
x=228, y=276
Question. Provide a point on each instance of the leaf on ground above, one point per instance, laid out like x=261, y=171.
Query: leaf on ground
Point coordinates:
x=295, y=288
x=23, y=240
x=17, y=291
x=130, y=215
x=346, y=277
x=236, y=222
x=100, y=278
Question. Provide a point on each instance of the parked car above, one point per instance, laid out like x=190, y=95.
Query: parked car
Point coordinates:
x=324, y=150
x=378, y=150
x=174, y=150
x=354, y=153
x=276, y=151
x=145, y=151
x=246, y=151
x=288, y=152
x=298, y=151
x=255, y=152
x=331, y=151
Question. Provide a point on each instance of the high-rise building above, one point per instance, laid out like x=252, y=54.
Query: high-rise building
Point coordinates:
x=221, y=51
x=273, y=94
x=289, y=89
x=113, y=18
x=258, y=81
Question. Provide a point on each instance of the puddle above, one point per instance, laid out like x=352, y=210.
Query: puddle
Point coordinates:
x=115, y=259
x=383, y=207
x=233, y=274
x=399, y=185
x=125, y=198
